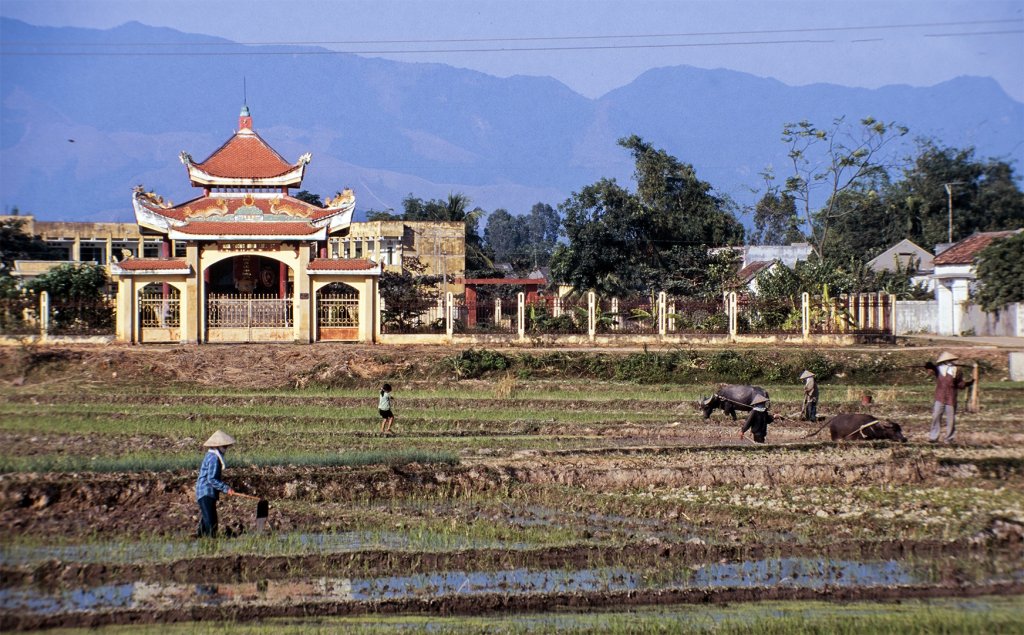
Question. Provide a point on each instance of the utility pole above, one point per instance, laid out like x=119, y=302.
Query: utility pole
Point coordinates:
x=949, y=193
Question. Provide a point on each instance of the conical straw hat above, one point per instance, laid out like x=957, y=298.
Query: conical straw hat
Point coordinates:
x=759, y=399
x=946, y=357
x=806, y=374
x=219, y=439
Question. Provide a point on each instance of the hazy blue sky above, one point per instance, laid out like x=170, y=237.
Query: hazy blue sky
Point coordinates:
x=594, y=46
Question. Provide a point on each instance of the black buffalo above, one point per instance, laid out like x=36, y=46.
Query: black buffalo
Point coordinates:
x=862, y=427
x=730, y=398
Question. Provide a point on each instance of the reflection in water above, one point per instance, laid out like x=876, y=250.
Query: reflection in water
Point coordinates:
x=774, y=572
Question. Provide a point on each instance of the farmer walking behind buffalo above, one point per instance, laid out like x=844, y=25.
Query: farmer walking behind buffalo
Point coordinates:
x=948, y=380
x=209, y=485
x=758, y=419
x=810, y=409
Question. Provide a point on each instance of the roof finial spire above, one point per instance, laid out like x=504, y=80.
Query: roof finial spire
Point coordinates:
x=244, y=119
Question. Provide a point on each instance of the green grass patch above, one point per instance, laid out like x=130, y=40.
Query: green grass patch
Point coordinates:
x=163, y=463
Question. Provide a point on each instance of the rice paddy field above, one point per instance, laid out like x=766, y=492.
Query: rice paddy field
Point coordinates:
x=522, y=492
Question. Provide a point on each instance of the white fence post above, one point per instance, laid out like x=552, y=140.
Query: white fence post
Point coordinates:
x=44, y=314
x=591, y=315
x=556, y=310
x=617, y=320
x=497, y=312
x=662, y=311
x=805, y=313
x=521, y=315
x=449, y=324
x=733, y=321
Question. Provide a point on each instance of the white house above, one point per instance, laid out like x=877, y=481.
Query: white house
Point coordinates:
x=955, y=276
x=903, y=256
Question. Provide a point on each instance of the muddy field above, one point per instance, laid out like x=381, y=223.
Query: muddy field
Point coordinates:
x=509, y=494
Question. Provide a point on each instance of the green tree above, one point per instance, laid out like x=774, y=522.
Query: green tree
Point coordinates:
x=775, y=220
x=407, y=295
x=986, y=195
x=1001, y=273
x=309, y=197
x=828, y=162
x=658, y=238
x=525, y=242
x=72, y=281
x=18, y=244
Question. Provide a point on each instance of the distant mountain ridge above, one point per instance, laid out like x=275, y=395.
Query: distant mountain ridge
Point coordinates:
x=388, y=129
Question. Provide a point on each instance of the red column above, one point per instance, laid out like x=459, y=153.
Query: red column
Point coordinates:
x=470, y=305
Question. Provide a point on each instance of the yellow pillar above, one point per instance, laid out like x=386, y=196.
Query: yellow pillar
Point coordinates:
x=302, y=302
x=142, y=247
x=125, y=327
x=76, y=249
x=192, y=321
x=110, y=251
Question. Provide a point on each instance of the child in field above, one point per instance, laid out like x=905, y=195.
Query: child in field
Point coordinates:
x=384, y=406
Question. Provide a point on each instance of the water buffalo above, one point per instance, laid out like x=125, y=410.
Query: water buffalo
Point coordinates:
x=730, y=398
x=857, y=427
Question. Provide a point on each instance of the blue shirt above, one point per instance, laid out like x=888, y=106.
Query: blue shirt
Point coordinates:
x=209, y=483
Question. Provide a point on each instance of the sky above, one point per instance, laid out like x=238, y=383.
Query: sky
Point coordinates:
x=594, y=46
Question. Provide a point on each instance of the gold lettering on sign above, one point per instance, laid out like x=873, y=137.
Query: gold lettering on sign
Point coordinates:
x=249, y=246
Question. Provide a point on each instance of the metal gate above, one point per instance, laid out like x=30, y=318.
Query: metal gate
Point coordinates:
x=337, y=317
x=248, y=318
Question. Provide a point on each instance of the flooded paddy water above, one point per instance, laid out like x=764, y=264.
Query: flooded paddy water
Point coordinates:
x=554, y=507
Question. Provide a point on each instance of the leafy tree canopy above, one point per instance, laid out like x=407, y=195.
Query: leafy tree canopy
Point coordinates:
x=873, y=217
x=71, y=281
x=621, y=242
x=309, y=197
x=776, y=221
x=1001, y=273
x=18, y=244
x=525, y=242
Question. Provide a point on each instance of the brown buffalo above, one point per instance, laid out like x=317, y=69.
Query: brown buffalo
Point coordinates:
x=861, y=427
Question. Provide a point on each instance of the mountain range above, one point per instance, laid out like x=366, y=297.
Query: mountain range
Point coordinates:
x=77, y=132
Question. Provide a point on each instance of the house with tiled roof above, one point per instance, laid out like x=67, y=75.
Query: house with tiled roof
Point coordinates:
x=747, y=276
x=244, y=260
x=955, y=275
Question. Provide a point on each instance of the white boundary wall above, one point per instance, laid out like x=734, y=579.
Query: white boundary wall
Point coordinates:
x=915, y=316
x=1007, y=322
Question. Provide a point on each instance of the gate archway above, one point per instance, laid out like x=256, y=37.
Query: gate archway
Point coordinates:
x=159, y=312
x=249, y=299
x=337, y=313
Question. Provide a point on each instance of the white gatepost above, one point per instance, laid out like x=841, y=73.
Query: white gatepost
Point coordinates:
x=378, y=328
x=557, y=307
x=880, y=324
x=44, y=314
x=733, y=322
x=662, y=310
x=591, y=315
x=521, y=315
x=497, y=312
x=672, y=317
x=805, y=313
x=615, y=311
x=449, y=315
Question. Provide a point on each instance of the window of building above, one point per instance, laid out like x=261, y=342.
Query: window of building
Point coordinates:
x=93, y=252
x=179, y=248
x=359, y=249
x=151, y=249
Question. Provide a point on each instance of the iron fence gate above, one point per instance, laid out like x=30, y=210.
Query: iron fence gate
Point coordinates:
x=247, y=312
x=338, y=316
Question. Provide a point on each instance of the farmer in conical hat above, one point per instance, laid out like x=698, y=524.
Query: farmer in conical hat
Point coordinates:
x=208, y=485
x=758, y=419
x=810, y=409
x=948, y=380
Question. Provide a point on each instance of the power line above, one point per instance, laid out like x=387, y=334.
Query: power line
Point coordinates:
x=429, y=51
x=917, y=25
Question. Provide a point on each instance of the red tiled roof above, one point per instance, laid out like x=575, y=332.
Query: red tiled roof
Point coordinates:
x=151, y=264
x=245, y=155
x=341, y=264
x=238, y=228
x=964, y=252
x=748, y=273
